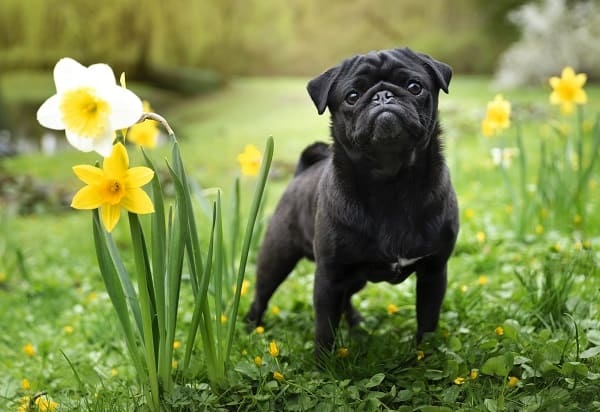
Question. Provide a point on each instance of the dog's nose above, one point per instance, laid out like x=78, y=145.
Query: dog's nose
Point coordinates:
x=383, y=97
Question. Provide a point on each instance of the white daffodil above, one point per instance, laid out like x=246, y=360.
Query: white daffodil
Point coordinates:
x=89, y=106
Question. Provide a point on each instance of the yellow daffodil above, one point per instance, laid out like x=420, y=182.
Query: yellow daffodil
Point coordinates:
x=497, y=116
x=112, y=187
x=273, y=349
x=89, y=106
x=278, y=376
x=249, y=160
x=567, y=90
x=145, y=133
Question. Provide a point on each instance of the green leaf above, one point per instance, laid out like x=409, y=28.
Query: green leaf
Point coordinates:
x=574, y=369
x=498, y=365
x=590, y=353
x=374, y=380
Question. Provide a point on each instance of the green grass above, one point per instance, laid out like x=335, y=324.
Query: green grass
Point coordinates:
x=52, y=281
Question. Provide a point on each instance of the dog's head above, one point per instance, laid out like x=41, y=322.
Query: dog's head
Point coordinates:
x=383, y=104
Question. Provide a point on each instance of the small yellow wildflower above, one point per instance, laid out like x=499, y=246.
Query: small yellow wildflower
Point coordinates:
x=259, y=330
x=343, y=352
x=223, y=318
x=420, y=355
x=480, y=236
x=244, y=290
x=176, y=344
x=391, y=309
x=482, y=280
x=29, y=350
x=278, y=376
x=249, y=160
x=469, y=214
x=499, y=331
x=258, y=361
x=112, y=187
x=497, y=116
x=459, y=380
x=578, y=245
x=273, y=349
x=474, y=374
x=25, y=384
x=577, y=219
x=114, y=372
x=587, y=245
x=567, y=90
x=275, y=310
x=68, y=329
x=464, y=288
x=45, y=405
x=174, y=364
x=513, y=381
x=539, y=229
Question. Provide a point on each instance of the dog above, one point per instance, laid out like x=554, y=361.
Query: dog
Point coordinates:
x=377, y=204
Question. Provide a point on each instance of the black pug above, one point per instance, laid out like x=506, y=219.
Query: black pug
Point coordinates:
x=376, y=205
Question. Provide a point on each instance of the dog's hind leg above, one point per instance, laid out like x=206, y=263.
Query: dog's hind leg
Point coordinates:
x=276, y=260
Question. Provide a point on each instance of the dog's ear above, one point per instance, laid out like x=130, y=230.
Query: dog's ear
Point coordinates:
x=319, y=88
x=441, y=72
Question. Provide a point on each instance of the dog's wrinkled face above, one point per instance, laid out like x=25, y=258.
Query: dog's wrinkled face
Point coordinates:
x=383, y=104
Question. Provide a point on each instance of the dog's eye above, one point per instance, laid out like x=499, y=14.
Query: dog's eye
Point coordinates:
x=352, y=97
x=414, y=87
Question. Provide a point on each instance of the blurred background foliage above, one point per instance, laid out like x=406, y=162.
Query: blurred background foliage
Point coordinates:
x=258, y=37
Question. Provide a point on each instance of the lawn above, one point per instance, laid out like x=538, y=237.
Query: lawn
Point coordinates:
x=520, y=326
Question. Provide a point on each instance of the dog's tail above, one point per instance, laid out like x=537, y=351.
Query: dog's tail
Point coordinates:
x=311, y=155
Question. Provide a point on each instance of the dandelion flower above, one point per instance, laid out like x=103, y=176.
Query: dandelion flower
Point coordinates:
x=499, y=331
x=176, y=344
x=113, y=187
x=275, y=310
x=497, y=116
x=567, y=90
x=469, y=213
x=249, y=160
x=29, y=350
x=25, y=384
x=513, y=381
x=343, y=352
x=480, y=236
x=273, y=349
x=278, y=376
x=391, y=309
x=259, y=330
x=482, y=280
x=89, y=106
x=68, y=329
x=223, y=318
x=258, y=361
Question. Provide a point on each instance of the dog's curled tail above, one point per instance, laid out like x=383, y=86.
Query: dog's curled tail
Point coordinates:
x=311, y=155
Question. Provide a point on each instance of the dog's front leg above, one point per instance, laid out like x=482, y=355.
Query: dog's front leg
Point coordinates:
x=431, y=288
x=330, y=298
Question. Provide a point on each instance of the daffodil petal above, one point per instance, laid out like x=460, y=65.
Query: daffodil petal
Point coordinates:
x=90, y=175
x=137, y=201
x=87, y=198
x=118, y=162
x=126, y=107
x=110, y=216
x=580, y=97
x=554, y=82
x=101, y=144
x=102, y=75
x=580, y=79
x=69, y=73
x=568, y=73
x=138, y=176
x=49, y=115
x=555, y=98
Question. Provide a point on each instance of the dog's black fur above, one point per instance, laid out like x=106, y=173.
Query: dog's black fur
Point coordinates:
x=375, y=205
